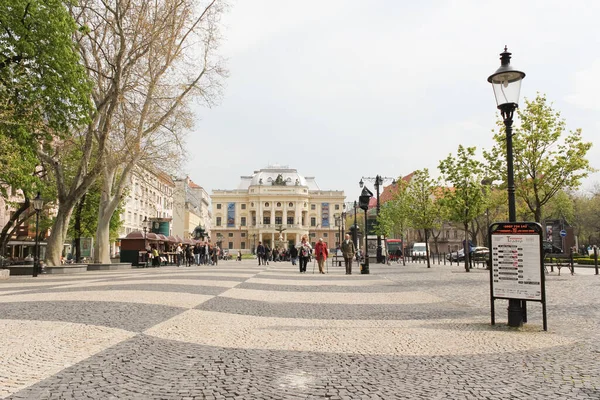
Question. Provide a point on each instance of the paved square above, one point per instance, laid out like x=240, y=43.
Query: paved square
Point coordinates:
x=244, y=331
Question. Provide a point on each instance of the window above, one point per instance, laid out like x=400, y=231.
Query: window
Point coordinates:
x=243, y=221
x=218, y=221
x=278, y=220
x=447, y=234
x=291, y=204
x=278, y=204
x=313, y=234
x=325, y=234
x=251, y=204
x=254, y=221
x=267, y=204
x=313, y=221
x=290, y=220
x=337, y=206
x=243, y=234
x=230, y=234
x=218, y=206
x=455, y=234
x=243, y=206
x=243, y=247
x=266, y=220
x=313, y=206
x=230, y=245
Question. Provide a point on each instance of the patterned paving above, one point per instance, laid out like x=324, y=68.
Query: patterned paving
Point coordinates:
x=248, y=332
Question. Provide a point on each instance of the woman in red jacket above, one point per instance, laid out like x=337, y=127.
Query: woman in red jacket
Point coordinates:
x=321, y=253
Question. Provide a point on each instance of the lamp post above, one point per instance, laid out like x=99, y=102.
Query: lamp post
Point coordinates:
x=378, y=181
x=337, y=222
x=38, y=204
x=506, y=82
x=355, y=230
x=363, y=201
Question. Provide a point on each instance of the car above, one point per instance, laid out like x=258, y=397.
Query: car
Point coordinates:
x=476, y=254
x=549, y=248
x=419, y=250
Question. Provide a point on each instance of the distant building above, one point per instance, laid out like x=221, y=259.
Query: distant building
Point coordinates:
x=190, y=208
x=275, y=202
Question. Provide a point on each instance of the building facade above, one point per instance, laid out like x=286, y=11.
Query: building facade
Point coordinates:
x=190, y=208
x=275, y=205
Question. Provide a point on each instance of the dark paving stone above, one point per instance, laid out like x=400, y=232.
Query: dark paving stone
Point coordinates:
x=129, y=316
x=150, y=368
x=162, y=287
x=338, y=311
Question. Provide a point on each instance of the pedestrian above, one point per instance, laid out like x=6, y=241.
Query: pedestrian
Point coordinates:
x=260, y=253
x=267, y=254
x=321, y=254
x=155, y=256
x=348, y=251
x=294, y=255
x=239, y=255
x=304, y=250
x=189, y=256
x=197, y=250
x=216, y=251
x=179, y=254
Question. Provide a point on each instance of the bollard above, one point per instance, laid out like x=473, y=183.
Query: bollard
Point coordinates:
x=596, y=258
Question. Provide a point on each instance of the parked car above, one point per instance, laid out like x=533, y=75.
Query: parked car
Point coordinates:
x=549, y=248
x=419, y=250
x=476, y=254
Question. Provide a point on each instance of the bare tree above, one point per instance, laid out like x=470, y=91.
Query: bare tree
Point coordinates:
x=147, y=61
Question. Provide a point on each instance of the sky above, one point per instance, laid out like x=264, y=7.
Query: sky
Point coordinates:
x=344, y=89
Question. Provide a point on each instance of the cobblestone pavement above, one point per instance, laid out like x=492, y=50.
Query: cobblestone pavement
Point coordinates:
x=242, y=331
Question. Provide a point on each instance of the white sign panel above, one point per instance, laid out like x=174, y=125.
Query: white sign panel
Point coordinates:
x=516, y=271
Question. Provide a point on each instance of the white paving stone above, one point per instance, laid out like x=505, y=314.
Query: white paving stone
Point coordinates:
x=383, y=337
x=34, y=350
x=414, y=297
x=315, y=282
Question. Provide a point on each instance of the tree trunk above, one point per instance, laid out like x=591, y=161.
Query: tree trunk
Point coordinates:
x=56, y=240
x=427, y=249
x=467, y=247
x=6, y=230
x=102, y=244
x=77, y=229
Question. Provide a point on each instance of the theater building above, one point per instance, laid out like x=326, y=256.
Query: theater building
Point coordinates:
x=275, y=205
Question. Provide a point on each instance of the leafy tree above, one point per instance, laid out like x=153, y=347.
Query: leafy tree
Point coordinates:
x=466, y=199
x=547, y=159
x=425, y=211
x=43, y=94
x=393, y=218
x=147, y=60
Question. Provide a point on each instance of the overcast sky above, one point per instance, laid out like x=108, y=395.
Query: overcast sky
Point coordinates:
x=344, y=89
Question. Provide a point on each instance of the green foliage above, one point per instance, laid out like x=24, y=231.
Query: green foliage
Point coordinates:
x=89, y=215
x=394, y=214
x=467, y=198
x=42, y=82
x=425, y=212
x=547, y=158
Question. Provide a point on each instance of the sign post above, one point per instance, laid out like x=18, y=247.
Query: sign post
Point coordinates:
x=517, y=262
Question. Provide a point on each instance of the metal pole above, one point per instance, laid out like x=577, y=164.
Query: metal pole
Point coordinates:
x=378, y=181
x=36, y=259
x=515, y=312
x=365, y=268
x=355, y=233
x=596, y=259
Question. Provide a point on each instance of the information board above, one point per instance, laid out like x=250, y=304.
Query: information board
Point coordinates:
x=517, y=269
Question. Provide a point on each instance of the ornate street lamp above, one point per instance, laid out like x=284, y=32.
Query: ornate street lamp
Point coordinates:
x=355, y=230
x=378, y=181
x=363, y=202
x=506, y=82
x=38, y=205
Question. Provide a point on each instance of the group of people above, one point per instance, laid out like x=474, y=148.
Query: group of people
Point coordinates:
x=303, y=252
x=202, y=253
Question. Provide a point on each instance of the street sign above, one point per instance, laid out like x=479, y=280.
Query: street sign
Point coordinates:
x=563, y=233
x=517, y=263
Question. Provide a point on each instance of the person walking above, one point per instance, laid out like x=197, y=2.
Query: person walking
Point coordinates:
x=294, y=255
x=304, y=250
x=267, y=254
x=179, y=254
x=321, y=254
x=260, y=253
x=197, y=250
x=348, y=251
